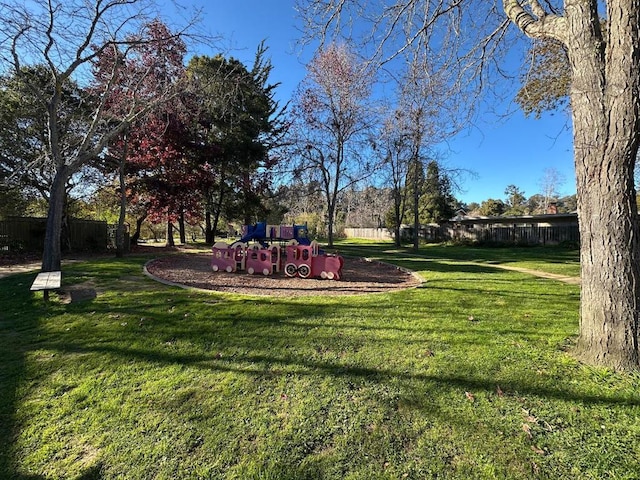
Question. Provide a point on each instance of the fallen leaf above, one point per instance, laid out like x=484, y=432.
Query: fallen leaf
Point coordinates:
x=470, y=396
x=472, y=318
x=527, y=429
x=499, y=391
x=538, y=450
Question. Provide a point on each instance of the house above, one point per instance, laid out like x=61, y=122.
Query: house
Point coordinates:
x=550, y=228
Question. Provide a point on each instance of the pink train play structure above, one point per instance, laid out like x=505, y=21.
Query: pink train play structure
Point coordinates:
x=305, y=261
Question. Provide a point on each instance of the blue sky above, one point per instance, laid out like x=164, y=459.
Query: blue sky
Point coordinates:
x=501, y=151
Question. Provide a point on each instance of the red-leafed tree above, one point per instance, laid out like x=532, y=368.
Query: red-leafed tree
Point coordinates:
x=150, y=153
x=166, y=175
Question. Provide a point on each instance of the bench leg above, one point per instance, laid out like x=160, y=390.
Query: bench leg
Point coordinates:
x=46, y=295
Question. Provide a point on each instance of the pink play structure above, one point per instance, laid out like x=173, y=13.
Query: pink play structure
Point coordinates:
x=305, y=261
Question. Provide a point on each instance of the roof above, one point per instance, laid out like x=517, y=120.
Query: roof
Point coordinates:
x=571, y=217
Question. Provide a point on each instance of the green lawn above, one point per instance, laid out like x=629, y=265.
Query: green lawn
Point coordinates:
x=468, y=376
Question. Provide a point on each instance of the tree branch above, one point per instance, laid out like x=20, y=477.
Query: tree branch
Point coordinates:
x=537, y=23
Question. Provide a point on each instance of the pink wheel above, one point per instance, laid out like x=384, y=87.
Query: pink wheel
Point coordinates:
x=290, y=270
x=304, y=271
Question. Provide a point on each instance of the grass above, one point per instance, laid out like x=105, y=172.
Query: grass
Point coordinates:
x=468, y=376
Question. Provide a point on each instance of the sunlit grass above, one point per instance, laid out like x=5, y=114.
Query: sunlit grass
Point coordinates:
x=558, y=260
x=468, y=376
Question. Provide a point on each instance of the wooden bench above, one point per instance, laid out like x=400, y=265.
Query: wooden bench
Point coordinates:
x=47, y=281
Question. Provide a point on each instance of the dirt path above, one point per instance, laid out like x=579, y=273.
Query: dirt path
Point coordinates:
x=538, y=273
x=6, y=270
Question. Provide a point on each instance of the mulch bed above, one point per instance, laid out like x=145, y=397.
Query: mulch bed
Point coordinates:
x=360, y=276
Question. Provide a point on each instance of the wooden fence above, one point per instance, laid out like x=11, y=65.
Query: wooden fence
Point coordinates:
x=20, y=234
x=369, y=233
x=520, y=235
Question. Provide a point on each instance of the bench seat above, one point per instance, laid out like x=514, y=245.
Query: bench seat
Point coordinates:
x=47, y=281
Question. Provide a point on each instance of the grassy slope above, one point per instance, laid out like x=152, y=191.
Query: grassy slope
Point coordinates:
x=466, y=377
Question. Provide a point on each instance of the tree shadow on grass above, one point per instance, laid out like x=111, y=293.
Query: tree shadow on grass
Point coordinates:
x=258, y=364
x=91, y=473
x=17, y=339
x=247, y=359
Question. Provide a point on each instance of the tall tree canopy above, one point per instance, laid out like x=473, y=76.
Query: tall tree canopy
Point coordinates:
x=237, y=124
x=153, y=145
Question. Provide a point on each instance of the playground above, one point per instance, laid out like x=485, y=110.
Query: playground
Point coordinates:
x=360, y=276
x=279, y=261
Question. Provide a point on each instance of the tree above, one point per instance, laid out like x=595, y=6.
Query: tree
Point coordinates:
x=395, y=147
x=606, y=130
x=24, y=130
x=65, y=37
x=546, y=84
x=330, y=125
x=437, y=201
x=550, y=186
x=364, y=208
x=515, y=204
x=237, y=124
x=157, y=64
x=492, y=208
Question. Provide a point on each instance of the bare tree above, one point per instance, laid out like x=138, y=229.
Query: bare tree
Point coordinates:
x=396, y=149
x=66, y=37
x=331, y=122
x=425, y=116
x=605, y=113
x=550, y=186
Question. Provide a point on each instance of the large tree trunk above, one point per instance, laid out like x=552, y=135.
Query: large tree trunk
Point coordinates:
x=397, y=223
x=52, y=255
x=208, y=232
x=136, y=235
x=604, y=103
x=331, y=212
x=605, y=119
x=121, y=248
x=609, y=262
